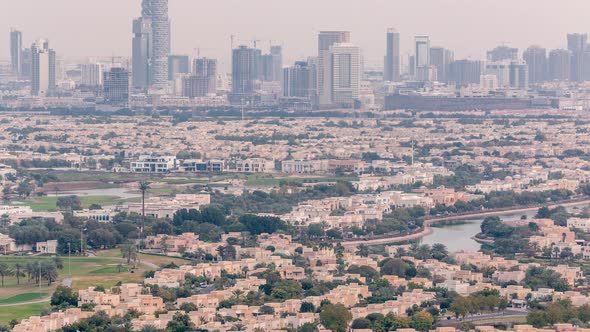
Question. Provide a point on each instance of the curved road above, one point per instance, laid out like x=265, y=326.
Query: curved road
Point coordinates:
x=428, y=230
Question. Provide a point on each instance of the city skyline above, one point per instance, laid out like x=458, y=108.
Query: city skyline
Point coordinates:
x=211, y=32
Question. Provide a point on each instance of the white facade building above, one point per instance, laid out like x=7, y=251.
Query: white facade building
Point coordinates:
x=91, y=74
x=346, y=73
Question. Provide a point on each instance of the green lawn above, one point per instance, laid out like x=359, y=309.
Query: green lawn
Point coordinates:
x=48, y=203
x=269, y=180
x=110, y=269
x=24, y=297
x=21, y=312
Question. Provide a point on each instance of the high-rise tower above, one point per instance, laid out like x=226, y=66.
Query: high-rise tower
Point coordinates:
x=577, y=44
x=391, y=70
x=16, y=49
x=325, y=40
x=422, y=55
x=152, y=42
x=43, y=68
x=142, y=43
x=536, y=58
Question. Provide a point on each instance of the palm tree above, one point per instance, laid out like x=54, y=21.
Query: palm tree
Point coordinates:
x=143, y=187
x=129, y=251
x=238, y=327
x=363, y=250
x=237, y=294
x=439, y=251
x=4, y=271
x=18, y=272
x=423, y=252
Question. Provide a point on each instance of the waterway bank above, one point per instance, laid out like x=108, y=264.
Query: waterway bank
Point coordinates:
x=430, y=234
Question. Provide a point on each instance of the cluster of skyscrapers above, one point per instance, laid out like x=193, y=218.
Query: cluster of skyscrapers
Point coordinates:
x=330, y=78
x=37, y=64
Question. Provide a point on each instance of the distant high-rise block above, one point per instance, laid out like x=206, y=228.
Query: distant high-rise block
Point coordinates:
x=559, y=65
x=325, y=40
x=141, y=52
x=91, y=74
x=422, y=51
x=151, y=45
x=441, y=58
x=205, y=68
x=194, y=86
x=116, y=86
x=27, y=64
x=42, y=68
x=298, y=80
x=345, y=61
x=276, y=68
x=465, y=72
x=519, y=75
x=391, y=71
x=16, y=48
x=577, y=44
x=244, y=70
x=501, y=53
x=178, y=64
x=500, y=69
x=536, y=59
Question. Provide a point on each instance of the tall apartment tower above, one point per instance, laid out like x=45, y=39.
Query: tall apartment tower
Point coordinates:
x=502, y=53
x=422, y=51
x=178, y=64
x=577, y=44
x=345, y=61
x=91, y=74
x=42, y=68
x=519, y=75
x=441, y=58
x=244, y=70
x=559, y=68
x=325, y=40
x=391, y=71
x=16, y=49
x=299, y=80
x=116, y=86
x=206, y=68
x=276, y=68
x=465, y=72
x=142, y=43
x=151, y=45
x=536, y=59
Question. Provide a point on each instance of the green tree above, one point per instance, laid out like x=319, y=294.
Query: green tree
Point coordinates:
x=335, y=317
x=129, y=251
x=64, y=296
x=188, y=307
x=363, y=250
x=69, y=203
x=5, y=271
x=143, y=187
x=361, y=323
x=180, y=323
x=422, y=321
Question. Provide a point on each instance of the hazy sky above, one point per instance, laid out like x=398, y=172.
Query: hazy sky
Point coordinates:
x=469, y=27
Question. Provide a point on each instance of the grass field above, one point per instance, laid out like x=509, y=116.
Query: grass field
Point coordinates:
x=269, y=180
x=24, y=297
x=106, y=269
x=21, y=312
x=48, y=203
x=154, y=259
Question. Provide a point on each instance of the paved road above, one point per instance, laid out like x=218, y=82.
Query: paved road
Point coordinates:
x=66, y=282
x=511, y=313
